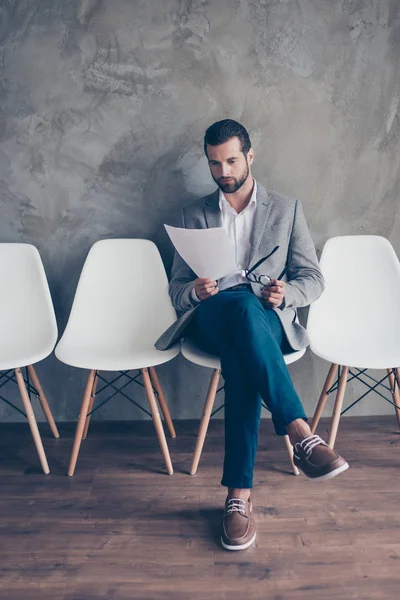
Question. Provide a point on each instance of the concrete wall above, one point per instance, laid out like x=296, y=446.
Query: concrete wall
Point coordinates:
x=104, y=104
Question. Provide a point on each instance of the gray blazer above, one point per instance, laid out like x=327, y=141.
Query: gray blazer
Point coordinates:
x=278, y=220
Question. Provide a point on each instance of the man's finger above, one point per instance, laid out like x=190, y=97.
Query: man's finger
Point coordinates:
x=204, y=294
x=278, y=282
x=268, y=290
x=205, y=287
x=273, y=302
x=269, y=296
x=275, y=289
x=206, y=290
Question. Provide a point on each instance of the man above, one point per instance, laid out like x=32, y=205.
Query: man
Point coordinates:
x=249, y=319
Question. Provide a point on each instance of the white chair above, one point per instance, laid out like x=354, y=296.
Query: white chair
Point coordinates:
x=121, y=307
x=28, y=331
x=197, y=356
x=355, y=324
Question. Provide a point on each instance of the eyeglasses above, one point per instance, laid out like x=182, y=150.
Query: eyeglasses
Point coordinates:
x=266, y=279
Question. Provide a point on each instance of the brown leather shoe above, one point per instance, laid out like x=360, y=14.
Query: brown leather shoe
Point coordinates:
x=317, y=460
x=238, y=526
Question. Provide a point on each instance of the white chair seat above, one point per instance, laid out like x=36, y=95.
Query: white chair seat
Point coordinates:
x=21, y=357
x=27, y=321
x=108, y=358
x=361, y=355
x=356, y=321
x=121, y=307
x=197, y=356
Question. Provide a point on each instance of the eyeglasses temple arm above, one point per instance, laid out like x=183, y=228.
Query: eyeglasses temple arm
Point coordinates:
x=262, y=260
x=288, y=261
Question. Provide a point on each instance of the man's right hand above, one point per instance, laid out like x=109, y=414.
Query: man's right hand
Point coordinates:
x=205, y=288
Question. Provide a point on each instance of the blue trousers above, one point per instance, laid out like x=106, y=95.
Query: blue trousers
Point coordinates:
x=249, y=339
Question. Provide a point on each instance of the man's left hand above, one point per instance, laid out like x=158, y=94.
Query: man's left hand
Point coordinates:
x=274, y=293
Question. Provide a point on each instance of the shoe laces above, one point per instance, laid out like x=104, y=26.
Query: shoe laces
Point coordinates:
x=308, y=444
x=236, y=505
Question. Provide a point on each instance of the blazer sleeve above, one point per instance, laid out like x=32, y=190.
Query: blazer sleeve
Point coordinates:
x=305, y=282
x=182, y=281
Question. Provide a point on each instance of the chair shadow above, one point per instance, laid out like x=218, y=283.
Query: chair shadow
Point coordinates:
x=12, y=462
x=212, y=517
x=206, y=522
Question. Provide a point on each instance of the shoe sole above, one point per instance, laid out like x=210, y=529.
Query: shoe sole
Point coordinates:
x=329, y=475
x=241, y=547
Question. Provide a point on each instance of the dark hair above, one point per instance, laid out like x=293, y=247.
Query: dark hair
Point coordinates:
x=222, y=131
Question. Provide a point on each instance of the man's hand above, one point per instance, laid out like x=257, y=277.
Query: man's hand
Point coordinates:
x=205, y=288
x=274, y=293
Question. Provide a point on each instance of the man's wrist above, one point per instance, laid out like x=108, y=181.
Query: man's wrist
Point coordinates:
x=194, y=296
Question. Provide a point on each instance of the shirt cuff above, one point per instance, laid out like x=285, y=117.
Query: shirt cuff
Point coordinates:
x=194, y=296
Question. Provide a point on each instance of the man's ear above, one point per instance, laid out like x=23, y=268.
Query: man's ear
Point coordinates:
x=250, y=156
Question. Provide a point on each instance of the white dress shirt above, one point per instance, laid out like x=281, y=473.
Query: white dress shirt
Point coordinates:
x=238, y=226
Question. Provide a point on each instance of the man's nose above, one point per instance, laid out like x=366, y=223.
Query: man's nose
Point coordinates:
x=225, y=170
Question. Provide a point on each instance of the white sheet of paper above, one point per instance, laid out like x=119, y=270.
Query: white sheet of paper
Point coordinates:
x=207, y=251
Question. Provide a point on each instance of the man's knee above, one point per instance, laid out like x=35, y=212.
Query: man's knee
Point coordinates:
x=244, y=305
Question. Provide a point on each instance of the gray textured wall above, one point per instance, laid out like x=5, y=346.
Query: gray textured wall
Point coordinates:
x=103, y=108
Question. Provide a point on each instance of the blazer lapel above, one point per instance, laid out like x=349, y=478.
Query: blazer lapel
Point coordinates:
x=263, y=208
x=212, y=211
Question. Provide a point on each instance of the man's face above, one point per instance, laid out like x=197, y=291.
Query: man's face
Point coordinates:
x=229, y=167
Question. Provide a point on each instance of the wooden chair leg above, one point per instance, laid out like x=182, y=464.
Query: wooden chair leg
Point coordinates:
x=43, y=401
x=91, y=403
x=32, y=421
x=162, y=401
x=338, y=407
x=157, y=420
x=289, y=449
x=394, y=379
x=81, y=423
x=324, y=396
x=205, y=419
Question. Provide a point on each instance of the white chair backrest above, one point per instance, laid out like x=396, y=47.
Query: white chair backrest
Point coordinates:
x=357, y=318
x=122, y=295
x=28, y=326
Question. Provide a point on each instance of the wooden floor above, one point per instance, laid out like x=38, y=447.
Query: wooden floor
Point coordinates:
x=122, y=529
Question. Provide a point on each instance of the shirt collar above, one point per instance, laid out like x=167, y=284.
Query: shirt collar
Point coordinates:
x=224, y=204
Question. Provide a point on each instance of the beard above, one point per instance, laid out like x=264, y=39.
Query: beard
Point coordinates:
x=230, y=187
